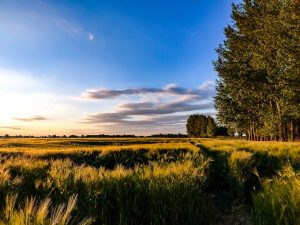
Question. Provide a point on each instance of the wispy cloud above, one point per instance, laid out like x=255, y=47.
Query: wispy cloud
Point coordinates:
x=12, y=127
x=91, y=36
x=119, y=119
x=150, y=108
x=152, y=112
x=31, y=119
x=202, y=92
x=164, y=112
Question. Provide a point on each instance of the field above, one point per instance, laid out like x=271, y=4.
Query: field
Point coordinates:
x=148, y=181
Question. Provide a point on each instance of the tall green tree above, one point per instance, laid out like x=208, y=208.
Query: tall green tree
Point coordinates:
x=258, y=67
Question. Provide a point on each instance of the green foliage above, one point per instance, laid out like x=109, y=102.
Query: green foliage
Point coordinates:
x=222, y=131
x=210, y=127
x=258, y=66
x=200, y=126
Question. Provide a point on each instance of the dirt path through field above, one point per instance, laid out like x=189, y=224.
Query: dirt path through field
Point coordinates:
x=228, y=209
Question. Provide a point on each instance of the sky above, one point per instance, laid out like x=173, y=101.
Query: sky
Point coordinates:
x=107, y=66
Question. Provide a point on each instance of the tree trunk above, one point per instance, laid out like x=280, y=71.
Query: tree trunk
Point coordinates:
x=292, y=131
x=280, y=122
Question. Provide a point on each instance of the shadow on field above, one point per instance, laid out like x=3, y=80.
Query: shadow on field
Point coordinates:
x=235, y=176
x=157, y=193
x=109, y=142
x=127, y=158
x=227, y=192
x=219, y=176
x=132, y=158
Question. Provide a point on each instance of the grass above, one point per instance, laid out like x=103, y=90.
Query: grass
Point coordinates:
x=262, y=175
x=148, y=181
x=279, y=201
x=116, y=181
x=39, y=212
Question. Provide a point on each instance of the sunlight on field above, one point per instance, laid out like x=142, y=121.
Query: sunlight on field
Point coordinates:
x=44, y=146
x=148, y=181
x=108, y=177
x=276, y=148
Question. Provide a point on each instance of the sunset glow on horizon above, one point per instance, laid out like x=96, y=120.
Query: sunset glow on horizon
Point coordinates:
x=138, y=67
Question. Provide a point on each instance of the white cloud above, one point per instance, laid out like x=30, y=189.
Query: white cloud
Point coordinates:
x=91, y=36
x=207, y=85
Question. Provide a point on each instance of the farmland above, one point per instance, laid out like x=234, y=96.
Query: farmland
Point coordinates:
x=148, y=181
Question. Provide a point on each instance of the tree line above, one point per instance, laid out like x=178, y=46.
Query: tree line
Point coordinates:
x=258, y=89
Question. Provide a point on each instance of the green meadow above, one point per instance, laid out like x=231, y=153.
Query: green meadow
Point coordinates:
x=148, y=181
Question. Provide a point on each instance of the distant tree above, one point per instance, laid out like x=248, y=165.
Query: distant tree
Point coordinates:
x=200, y=126
x=210, y=127
x=73, y=136
x=179, y=135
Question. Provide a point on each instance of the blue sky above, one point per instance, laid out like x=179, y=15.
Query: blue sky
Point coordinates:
x=82, y=67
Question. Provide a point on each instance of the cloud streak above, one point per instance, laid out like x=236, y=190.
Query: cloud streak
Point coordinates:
x=202, y=92
x=171, y=106
x=31, y=119
x=149, y=108
x=12, y=127
x=151, y=112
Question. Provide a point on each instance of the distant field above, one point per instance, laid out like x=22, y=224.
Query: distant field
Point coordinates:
x=148, y=181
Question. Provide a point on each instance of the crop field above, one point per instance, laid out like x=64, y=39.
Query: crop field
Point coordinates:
x=148, y=181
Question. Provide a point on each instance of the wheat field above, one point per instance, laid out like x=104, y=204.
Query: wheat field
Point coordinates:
x=148, y=181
